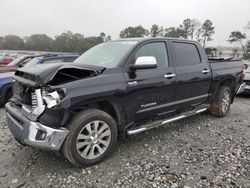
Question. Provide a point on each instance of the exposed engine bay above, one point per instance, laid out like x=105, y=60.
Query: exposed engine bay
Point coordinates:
x=33, y=89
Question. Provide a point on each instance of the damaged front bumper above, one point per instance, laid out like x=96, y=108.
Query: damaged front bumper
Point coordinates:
x=32, y=133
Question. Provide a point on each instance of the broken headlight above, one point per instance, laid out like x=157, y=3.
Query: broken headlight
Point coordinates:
x=53, y=98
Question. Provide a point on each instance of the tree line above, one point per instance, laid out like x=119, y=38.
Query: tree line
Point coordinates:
x=65, y=42
x=76, y=42
x=192, y=29
x=189, y=29
x=242, y=41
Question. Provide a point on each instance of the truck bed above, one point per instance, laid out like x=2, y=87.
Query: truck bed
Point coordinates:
x=221, y=59
x=222, y=69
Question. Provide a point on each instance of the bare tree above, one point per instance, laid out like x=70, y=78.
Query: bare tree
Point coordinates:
x=238, y=37
x=195, y=24
x=206, y=32
x=156, y=31
x=234, y=52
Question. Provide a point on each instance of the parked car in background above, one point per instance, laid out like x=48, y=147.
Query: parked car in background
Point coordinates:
x=5, y=60
x=6, y=78
x=245, y=88
x=52, y=58
x=16, y=63
x=5, y=87
x=116, y=89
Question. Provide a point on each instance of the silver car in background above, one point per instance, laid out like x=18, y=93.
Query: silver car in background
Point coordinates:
x=245, y=87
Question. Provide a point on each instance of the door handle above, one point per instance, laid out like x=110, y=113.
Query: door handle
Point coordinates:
x=205, y=71
x=169, y=76
x=132, y=83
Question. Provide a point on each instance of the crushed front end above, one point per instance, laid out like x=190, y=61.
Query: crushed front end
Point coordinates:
x=24, y=110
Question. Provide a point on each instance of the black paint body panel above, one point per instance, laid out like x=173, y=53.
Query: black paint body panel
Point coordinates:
x=152, y=96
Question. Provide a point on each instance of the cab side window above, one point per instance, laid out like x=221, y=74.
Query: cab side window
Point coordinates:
x=186, y=54
x=157, y=50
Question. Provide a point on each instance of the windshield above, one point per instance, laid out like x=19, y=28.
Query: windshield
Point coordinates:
x=106, y=54
x=15, y=61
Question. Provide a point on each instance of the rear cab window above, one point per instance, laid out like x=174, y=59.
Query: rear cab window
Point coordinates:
x=186, y=54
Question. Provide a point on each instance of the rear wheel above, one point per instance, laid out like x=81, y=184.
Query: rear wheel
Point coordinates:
x=221, y=105
x=92, y=137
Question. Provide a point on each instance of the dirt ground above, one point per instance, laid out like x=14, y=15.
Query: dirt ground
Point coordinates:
x=201, y=151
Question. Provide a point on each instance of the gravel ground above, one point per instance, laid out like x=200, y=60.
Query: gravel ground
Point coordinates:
x=201, y=151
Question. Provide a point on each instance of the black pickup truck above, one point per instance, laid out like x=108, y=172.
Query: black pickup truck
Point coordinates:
x=115, y=89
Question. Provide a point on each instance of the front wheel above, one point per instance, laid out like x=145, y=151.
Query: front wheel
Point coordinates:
x=92, y=137
x=221, y=105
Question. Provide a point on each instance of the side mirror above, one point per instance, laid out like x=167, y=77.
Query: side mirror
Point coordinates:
x=144, y=62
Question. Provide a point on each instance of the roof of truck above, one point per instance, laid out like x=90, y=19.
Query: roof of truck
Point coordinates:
x=139, y=39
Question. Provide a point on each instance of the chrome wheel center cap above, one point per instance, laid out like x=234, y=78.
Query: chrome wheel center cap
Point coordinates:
x=94, y=139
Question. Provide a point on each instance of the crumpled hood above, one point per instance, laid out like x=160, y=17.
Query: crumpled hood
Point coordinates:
x=39, y=75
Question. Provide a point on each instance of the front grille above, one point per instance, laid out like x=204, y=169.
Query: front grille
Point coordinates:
x=33, y=100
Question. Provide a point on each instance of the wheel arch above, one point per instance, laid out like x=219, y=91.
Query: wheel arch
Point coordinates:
x=228, y=81
x=5, y=88
x=111, y=107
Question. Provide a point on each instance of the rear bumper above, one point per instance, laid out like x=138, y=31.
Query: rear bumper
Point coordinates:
x=32, y=133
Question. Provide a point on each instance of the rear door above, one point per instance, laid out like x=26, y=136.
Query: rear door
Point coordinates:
x=193, y=74
x=149, y=91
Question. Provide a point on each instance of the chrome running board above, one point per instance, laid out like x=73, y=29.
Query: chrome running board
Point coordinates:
x=163, y=122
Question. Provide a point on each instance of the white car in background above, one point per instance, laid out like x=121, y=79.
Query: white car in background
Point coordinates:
x=246, y=82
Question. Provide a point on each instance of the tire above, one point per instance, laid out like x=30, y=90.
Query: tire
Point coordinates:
x=92, y=138
x=6, y=97
x=221, y=105
x=1, y=103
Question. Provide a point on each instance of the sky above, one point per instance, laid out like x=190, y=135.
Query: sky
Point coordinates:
x=90, y=17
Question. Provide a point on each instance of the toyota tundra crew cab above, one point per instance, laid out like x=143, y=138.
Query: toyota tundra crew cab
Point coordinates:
x=115, y=89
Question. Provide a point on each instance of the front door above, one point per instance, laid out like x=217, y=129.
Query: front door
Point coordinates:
x=149, y=90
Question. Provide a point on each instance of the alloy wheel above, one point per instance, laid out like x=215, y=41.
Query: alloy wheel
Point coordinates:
x=225, y=101
x=93, y=140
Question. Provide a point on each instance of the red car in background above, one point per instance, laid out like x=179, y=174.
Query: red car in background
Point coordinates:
x=5, y=60
x=16, y=63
